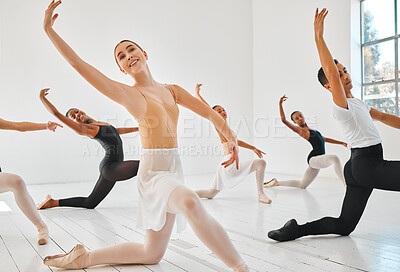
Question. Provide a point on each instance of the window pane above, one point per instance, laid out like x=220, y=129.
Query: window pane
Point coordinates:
x=379, y=62
x=381, y=97
x=378, y=19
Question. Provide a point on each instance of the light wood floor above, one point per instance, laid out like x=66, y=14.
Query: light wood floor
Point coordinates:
x=373, y=246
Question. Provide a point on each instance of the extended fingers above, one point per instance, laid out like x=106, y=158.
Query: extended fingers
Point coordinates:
x=323, y=13
x=228, y=162
x=320, y=15
x=53, y=5
x=326, y=13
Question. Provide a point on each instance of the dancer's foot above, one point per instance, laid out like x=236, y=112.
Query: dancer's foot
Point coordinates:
x=48, y=202
x=241, y=268
x=273, y=182
x=263, y=198
x=288, y=232
x=75, y=259
x=43, y=235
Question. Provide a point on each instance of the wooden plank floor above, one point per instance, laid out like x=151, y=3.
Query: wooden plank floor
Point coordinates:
x=373, y=246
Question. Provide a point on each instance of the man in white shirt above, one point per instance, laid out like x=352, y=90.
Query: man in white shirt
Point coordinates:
x=366, y=170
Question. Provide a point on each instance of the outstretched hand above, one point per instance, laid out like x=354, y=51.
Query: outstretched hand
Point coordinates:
x=283, y=99
x=233, y=150
x=319, y=22
x=259, y=152
x=43, y=93
x=49, y=18
x=197, y=88
x=52, y=126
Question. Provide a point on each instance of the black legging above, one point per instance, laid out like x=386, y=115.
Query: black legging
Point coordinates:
x=366, y=170
x=109, y=175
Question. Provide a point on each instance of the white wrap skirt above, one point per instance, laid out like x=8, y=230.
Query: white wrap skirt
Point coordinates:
x=160, y=173
x=229, y=177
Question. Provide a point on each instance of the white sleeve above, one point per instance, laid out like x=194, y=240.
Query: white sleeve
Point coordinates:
x=341, y=114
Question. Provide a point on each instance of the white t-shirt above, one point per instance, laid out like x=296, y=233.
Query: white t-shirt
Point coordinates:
x=356, y=124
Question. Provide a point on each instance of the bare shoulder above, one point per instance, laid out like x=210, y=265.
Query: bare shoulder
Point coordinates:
x=305, y=133
x=176, y=88
x=179, y=92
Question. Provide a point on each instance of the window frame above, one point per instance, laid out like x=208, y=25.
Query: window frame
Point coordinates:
x=395, y=38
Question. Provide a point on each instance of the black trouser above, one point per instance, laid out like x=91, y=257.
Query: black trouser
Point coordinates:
x=366, y=170
x=110, y=173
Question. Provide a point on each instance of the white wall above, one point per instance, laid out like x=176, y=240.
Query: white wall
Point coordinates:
x=286, y=62
x=187, y=42
x=247, y=54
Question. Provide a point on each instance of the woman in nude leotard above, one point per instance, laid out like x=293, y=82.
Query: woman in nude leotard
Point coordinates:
x=162, y=195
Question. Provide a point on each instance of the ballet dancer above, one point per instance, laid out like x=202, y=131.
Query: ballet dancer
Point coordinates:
x=162, y=194
x=317, y=159
x=15, y=184
x=113, y=168
x=366, y=169
x=228, y=177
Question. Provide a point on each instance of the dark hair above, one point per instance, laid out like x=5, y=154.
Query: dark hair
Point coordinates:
x=321, y=75
x=115, y=48
x=291, y=116
x=69, y=111
x=216, y=106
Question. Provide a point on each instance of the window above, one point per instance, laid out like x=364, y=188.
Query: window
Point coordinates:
x=380, y=54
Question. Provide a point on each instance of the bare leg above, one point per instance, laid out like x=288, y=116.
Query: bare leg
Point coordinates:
x=15, y=184
x=210, y=193
x=210, y=232
x=259, y=167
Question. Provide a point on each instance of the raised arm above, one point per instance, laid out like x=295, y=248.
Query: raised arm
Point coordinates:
x=126, y=130
x=327, y=62
x=197, y=88
x=188, y=101
x=252, y=148
x=387, y=119
x=103, y=84
x=295, y=128
x=81, y=129
x=27, y=126
x=333, y=141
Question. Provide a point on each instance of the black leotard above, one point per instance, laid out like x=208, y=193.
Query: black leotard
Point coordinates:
x=113, y=168
x=318, y=144
x=109, y=139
